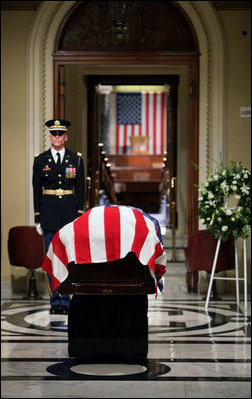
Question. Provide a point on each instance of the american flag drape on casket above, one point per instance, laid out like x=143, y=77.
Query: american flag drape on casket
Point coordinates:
x=105, y=234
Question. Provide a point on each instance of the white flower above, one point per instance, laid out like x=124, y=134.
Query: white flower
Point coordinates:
x=229, y=212
x=213, y=199
x=224, y=185
x=245, y=189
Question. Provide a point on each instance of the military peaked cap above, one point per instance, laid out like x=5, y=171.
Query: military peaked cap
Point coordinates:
x=58, y=125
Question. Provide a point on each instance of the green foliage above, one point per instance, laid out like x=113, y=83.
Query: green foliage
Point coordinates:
x=214, y=197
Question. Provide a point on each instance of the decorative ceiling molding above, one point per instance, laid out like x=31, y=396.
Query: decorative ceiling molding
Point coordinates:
x=155, y=26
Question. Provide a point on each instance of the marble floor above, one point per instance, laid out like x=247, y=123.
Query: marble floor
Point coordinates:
x=193, y=352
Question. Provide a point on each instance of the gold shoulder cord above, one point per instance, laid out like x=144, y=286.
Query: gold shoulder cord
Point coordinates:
x=79, y=154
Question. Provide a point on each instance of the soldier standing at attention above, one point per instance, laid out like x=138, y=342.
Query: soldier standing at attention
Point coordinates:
x=58, y=193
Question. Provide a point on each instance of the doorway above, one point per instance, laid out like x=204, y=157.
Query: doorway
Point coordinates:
x=81, y=107
x=77, y=46
x=137, y=172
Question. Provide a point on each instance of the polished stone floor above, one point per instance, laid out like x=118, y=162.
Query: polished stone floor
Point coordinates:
x=193, y=352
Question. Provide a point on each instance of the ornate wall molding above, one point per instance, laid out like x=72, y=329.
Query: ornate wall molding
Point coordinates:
x=212, y=81
x=47, y=72
x=205, y=79
x=40, y=82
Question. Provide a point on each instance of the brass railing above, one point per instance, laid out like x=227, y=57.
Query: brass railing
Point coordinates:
x=106, y=179
x=173, y=216
x=88, y=193
x=169, y=187
x=103, y=181
x=165, y=189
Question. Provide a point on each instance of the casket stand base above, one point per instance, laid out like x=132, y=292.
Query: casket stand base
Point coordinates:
x=108, y=314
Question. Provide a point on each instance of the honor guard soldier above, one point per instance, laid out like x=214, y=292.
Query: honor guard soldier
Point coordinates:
x=58, y=192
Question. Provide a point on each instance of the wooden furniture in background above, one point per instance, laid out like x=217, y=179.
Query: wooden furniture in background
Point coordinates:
x=137, y=180
x=139, y=144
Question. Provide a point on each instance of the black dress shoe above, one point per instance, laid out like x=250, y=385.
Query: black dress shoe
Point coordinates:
x=55, y=309
x=65, y=309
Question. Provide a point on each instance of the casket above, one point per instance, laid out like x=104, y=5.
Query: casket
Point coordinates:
x=108, y=313
x=125, y=276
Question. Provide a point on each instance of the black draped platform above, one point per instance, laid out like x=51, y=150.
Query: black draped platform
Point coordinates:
x=108, y=313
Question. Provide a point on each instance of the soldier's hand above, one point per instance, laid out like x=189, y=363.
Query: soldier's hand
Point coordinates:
x=39, y=229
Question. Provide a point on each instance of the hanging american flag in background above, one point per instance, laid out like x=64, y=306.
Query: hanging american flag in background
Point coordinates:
x=141, y=114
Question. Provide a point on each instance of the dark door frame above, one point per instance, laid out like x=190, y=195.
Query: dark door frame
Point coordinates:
x=92, y=82
x=131, y=58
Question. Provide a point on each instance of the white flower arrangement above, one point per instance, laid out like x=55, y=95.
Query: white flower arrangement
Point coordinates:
x=214, y=196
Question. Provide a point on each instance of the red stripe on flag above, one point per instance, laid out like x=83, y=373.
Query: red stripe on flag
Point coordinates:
x=140, y=130
x=47, y=267
x=154, y=123
x=81, y=239
x=112, y=231
x=157, y=269
x=162, y=121
x=59, y=249
x=124, y=139
x=117, y=139
x=141, y=232
x=132, y=130
x=147, y=114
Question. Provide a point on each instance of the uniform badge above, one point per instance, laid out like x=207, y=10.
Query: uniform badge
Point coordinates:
x=47, y=168
x=70, y=172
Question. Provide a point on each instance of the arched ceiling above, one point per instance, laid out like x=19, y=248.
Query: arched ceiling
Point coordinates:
x=154, y=25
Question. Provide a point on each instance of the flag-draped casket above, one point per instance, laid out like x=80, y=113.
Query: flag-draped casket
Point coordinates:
x=105, y=234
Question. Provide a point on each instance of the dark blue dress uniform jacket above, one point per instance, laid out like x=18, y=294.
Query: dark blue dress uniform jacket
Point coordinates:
x=52, y=211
